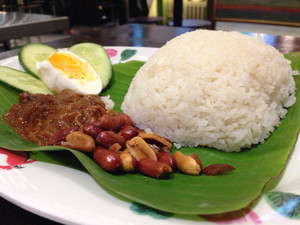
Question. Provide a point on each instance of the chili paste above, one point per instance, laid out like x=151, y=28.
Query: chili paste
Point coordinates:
x=38, y=116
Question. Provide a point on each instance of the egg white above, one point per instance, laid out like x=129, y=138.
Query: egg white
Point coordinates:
x=57, y=81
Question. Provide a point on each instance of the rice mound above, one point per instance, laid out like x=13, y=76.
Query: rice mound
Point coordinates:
x=224, y=90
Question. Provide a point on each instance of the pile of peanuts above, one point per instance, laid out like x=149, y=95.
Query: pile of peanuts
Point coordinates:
x=117, y=146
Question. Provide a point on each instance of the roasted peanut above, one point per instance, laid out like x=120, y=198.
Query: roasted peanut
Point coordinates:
x=168, y=158
x=129, y=132
x=115, y=147
x=128, y=162
x=194, y=156
x=186, y=164
x=92, y=128
x=127, y=119
x=81, y=141
x=139, y=149
x=215, y=169
x=153, y=138
x=113, y=123
x=60, y=135
x=107, y=160
x=126, y=150
x=107, y=138
x=154, y=168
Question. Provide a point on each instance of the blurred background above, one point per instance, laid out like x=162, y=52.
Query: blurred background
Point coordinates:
x=278, y=17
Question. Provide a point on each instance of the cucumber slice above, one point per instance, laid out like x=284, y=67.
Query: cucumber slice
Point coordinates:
x=97, y=57
x=30, y=54
x=23, y=81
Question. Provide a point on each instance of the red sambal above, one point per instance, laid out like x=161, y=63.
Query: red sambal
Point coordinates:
x=38, y=116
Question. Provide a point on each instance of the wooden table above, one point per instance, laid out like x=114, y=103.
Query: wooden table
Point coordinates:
x=16, y=24
x=125, y=35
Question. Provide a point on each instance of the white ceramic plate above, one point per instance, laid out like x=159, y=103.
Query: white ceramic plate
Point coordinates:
x=70, y=196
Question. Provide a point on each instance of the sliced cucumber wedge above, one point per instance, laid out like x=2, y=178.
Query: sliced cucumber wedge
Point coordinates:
x=97, y=57
x=30, y=54
x=23, y=81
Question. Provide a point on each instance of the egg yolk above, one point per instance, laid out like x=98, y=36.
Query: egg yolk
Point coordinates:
x=71, y=66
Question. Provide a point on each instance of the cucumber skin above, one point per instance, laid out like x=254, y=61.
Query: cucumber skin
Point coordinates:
x=105, y=70
x=28, y=50
x=23, y=81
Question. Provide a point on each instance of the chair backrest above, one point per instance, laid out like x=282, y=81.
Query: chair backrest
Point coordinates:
x=194, y=9
x=191, y=9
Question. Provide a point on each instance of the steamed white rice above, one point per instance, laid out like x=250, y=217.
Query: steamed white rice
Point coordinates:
x=219, y=89
x=109, y=104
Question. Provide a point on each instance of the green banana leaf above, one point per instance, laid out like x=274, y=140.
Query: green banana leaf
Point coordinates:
x=182, y=194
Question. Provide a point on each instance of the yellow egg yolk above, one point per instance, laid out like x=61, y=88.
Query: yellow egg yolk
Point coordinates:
x=71, y=66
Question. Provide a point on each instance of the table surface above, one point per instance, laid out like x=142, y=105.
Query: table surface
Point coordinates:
x=16, y=24
x=125, y=35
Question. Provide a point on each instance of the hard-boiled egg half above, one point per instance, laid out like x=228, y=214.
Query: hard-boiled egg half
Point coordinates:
x=65, y=70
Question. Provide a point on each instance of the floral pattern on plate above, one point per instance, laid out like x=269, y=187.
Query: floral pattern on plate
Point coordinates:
x=13, y=159
x=124, y=55
x=286, y=204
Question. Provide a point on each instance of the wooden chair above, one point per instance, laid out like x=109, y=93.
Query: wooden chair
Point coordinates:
x=200, y=18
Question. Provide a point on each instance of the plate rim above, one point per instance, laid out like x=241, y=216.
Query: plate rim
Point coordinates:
x=37, y=210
